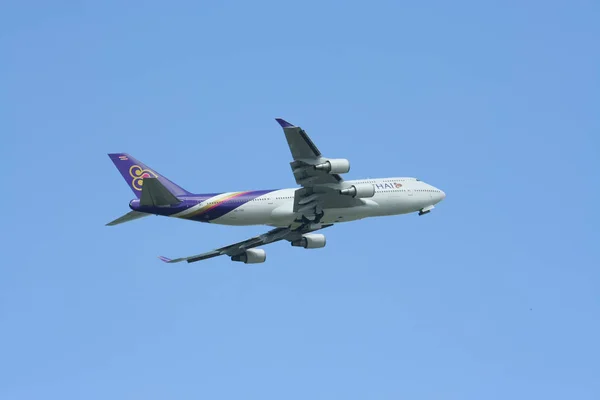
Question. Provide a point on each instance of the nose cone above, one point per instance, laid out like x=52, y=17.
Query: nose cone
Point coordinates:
x=439, y=196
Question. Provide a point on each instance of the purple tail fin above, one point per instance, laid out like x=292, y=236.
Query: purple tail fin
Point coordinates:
x=135, y=171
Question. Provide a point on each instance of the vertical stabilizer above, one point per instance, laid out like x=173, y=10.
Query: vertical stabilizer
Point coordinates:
x=134, y=172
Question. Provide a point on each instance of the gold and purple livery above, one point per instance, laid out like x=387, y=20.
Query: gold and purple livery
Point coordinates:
x=322, y=199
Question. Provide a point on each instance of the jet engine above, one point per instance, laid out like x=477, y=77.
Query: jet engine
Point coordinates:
x=334, y=166
x=359, y=190
x=310, y=241
x=251, y=256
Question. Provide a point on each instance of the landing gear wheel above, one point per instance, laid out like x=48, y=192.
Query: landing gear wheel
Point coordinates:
x=319, y=216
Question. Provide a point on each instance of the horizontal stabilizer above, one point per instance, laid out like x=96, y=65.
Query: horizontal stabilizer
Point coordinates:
x=155, y=194
x=130, y=216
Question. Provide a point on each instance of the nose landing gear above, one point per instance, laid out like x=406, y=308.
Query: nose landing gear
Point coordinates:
x=426, y=210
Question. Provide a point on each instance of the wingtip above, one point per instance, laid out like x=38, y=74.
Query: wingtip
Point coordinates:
x=284, y=123
x=164, y=259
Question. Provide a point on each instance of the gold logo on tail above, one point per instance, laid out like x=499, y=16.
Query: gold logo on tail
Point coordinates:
x=138, y=174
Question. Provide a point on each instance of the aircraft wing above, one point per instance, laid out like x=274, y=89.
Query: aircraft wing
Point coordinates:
x=305, y=154
x=320, y=189
x=236, y=249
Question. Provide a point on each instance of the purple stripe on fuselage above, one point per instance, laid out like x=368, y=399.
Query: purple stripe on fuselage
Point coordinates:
x=191, y=201
x=229, y=205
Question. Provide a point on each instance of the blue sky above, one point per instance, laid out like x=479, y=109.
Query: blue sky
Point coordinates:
x=493, y=295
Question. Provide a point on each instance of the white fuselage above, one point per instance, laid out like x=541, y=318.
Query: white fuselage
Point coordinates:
x=392, y=196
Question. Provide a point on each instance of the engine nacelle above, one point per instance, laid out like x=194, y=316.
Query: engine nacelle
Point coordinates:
x=334, y=166
x=360, y=190
x=251, y=256
x=310, y=241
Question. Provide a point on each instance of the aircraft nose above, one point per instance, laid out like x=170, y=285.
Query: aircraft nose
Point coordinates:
x=439, y=195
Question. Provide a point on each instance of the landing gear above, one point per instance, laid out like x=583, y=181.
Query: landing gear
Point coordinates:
x=319, y=216
x=313, y=219
x=425, y=210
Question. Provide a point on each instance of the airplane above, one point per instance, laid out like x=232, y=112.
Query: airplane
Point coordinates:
x=323, y=199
